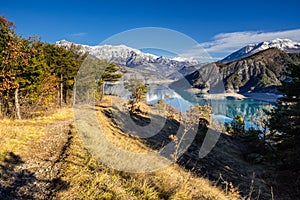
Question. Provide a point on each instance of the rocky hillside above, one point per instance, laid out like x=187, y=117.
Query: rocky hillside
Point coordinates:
x=261, y=72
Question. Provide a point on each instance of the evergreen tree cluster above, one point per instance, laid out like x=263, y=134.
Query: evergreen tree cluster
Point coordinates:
x=285, y=119
x=34, y=76
x=91, y=79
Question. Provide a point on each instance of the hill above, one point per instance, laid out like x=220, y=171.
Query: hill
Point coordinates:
x=45, y=158
x=261, y=72
x=285, y=45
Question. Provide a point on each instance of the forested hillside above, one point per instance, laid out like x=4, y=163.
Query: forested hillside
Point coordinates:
x=34, y=76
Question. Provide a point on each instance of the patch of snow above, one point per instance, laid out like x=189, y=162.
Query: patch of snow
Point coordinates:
x=286, y=45
x=130, y=57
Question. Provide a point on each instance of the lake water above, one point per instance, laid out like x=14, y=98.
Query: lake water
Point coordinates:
x=223, y=109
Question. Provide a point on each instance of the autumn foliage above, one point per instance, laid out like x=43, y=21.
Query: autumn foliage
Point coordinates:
x=34, y=76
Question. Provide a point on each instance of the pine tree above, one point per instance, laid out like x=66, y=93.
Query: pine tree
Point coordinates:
x=65, y=64
x=138, y=91
x=41, y=86
x=108, y=75
x=285, y=118
x=238, y=125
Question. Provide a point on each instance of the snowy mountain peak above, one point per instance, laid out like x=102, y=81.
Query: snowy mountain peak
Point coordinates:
x=134, y=58
x=285, y=45
x=278, y=40
x=181, y=59
x=110, y=52
x=63, y=43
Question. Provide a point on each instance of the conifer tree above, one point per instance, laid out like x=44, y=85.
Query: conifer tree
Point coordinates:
x=108, y=75
x=238, y=125
x=138, y=91
x=285, y=118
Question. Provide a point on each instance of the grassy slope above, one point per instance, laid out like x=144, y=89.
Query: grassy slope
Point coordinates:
x=78, y=175
x=17, y=135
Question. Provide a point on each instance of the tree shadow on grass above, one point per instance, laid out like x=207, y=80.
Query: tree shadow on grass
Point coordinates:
x=226, y=159
x=18, y=183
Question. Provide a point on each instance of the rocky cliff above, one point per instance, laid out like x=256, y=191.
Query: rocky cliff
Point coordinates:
x=261, y=72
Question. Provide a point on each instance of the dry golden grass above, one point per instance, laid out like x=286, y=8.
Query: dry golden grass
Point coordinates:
x=90, y=179
x=85, y=177
x=114, y=134
x=16, y=135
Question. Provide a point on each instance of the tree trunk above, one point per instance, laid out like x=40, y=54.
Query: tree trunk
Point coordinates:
x=17, y=104
x=66, y=96
x=74, y=92
x=61, y=90
x=102, y=91
x=6, y=106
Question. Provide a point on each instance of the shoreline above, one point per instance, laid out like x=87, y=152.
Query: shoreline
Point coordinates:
x=268, y=97
x=223, y=95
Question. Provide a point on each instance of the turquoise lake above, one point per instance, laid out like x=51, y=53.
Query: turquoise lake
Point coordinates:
x=223, y=109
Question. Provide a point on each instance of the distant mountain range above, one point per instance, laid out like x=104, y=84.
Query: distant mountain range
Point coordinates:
x=260, y=72
x=172, y=68
x=285, y=45
x=254, y=68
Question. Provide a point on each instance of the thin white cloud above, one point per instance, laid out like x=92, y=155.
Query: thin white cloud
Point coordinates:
x=78, y=34
x=226, y=43
x=229, y=42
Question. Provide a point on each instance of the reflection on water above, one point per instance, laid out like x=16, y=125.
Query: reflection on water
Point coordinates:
x=223, y=109
x=250, y=109
x=158, y=92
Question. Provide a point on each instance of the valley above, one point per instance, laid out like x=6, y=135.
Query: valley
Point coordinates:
x=163, y=121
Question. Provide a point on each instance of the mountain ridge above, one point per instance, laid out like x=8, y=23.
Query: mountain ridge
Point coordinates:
x=261, y=72
x=285, y=45
x=134, y=58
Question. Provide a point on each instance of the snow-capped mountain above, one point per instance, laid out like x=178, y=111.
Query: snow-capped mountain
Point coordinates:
x=285, y=45
x=134, y=58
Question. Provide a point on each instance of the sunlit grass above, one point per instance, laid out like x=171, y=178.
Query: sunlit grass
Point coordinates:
x=88, y=178
x=85, y=177
x=16, y=135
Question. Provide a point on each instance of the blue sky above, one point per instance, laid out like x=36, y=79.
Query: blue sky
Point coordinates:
x=219, y=26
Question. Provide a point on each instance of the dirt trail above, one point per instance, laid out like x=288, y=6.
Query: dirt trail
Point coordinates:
x=34, y=173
